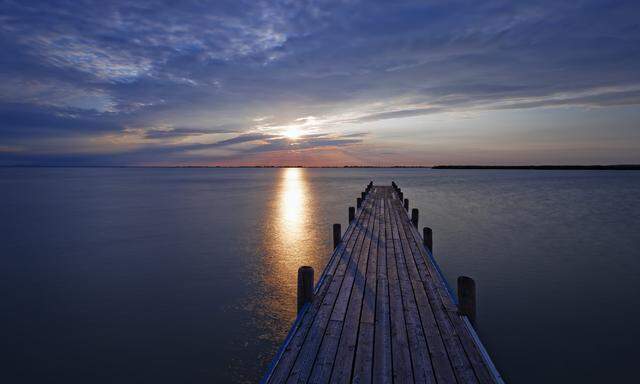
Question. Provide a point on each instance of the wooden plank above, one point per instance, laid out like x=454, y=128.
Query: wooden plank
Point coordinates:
x=382, y=358
x=461, y=365
x=323, y=365
x=319, y=352
x=346, y=349
x=363, y=367
x=369, y=303
x=402, y=370
x=421, y=361
x=355, y=273
x=363, y=364
x=439, y=358
x=471, y=349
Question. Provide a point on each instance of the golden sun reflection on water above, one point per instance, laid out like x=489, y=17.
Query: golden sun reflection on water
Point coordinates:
x=292, y=211
x=289, y=241
x=291, y=227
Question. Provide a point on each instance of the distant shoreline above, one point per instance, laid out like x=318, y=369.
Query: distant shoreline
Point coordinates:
x=614, y=167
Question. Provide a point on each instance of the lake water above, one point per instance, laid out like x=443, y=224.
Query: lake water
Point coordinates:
x=188, y=275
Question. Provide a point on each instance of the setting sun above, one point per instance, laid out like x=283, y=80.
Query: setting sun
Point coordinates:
x=292, y=133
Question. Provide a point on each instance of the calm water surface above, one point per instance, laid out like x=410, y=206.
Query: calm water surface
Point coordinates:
x=188, y=275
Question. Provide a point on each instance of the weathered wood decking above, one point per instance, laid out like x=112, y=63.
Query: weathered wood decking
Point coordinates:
x=382, y=312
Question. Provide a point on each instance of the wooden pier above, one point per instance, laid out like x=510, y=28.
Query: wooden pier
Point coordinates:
x=382, y=312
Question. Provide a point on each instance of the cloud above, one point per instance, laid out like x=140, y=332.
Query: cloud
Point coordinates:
x=173, y=133
x=398, y=114
x=32, y=120
x=85, y=69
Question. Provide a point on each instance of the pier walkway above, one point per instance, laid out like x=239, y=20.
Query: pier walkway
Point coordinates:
x=382, y=312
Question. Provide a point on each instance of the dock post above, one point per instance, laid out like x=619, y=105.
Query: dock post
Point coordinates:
x=363, y=195
x=358, y=202
x=400, y=195
x=467, y=298
x=406, y=205
x=352, y=213
x=414, y=217
x=305, y=286
x=427, y=238
x=336, y=235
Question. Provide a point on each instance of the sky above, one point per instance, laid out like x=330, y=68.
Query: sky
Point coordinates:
x=319, y=83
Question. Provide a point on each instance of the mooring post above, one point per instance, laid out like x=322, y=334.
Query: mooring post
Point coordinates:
x=337, y=233
x=352, y=213
x=427, y=238
x=363, y=195
x=414, y=217
x=305, y=286
x=358, y=202
x=400, y=195
x=406, y=205
x=467, y=298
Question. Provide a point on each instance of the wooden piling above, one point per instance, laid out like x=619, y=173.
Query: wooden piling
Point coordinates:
x=358, y=202
x=406, y=205
x=337, y=234
x=352, y=213
x=414, y=217
x=400, y=195
x=305, y=286
x=427, y=238
x=467, y=298
x=363, y=195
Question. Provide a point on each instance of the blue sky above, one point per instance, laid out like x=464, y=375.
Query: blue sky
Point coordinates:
x=319, y=82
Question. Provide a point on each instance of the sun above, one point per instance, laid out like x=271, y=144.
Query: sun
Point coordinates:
x=292, y=133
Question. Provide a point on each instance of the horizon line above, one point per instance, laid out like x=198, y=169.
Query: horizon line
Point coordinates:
x=467, y=166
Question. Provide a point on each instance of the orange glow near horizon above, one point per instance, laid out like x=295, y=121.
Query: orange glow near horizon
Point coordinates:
x=317, y=157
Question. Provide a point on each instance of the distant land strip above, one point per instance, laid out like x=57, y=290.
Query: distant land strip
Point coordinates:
x=620, y=167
